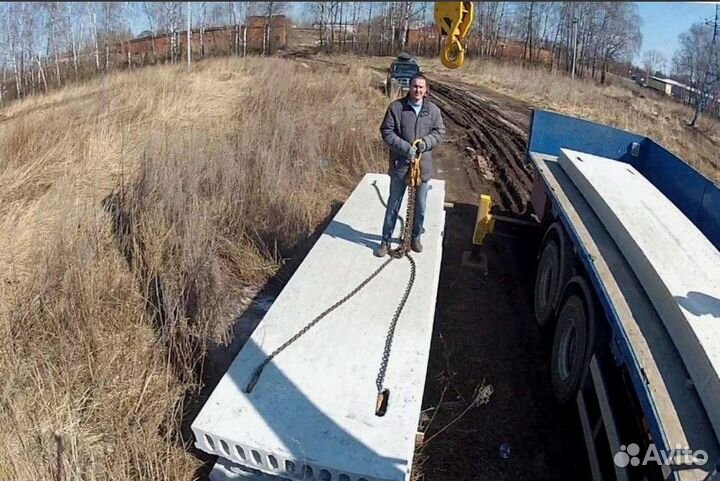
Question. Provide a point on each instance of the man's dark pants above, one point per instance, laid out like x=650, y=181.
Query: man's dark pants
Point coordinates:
x=397, y=191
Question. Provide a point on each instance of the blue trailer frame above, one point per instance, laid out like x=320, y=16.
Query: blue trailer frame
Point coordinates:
x=695, y=195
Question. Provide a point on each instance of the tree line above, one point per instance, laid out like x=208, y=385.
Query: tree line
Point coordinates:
x=584, y=39
x=599, y=34
x=44, y=45
x=48, y=44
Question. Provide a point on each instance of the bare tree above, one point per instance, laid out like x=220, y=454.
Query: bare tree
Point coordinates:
x=54, y=17
x=268, y=10
x=620, y=35
x=203, y=16
x=171, y=15
x=29, y=18
x=71, y=38
x=405, y=13
x=653, y=60
x=153, y=16
x=529, y=9
x=356, y=9
x=692, y=63
x=319, y=13
x=41, y=72
x=12, y=40
x=96, y=41
x=369, y=28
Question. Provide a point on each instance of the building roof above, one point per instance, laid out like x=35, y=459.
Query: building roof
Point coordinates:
x=670, y=81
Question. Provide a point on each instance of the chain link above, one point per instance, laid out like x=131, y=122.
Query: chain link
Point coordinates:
x=402, y=251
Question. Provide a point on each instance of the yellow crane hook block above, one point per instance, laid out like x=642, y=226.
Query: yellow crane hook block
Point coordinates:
x=455, y=20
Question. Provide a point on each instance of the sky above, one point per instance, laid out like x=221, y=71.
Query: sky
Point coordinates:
x=663, y=22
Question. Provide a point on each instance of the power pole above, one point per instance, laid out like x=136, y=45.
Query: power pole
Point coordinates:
x=189, y=37
x=575, y=23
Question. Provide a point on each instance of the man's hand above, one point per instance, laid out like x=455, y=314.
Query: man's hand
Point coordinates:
x=421, y=146
x=412, y=153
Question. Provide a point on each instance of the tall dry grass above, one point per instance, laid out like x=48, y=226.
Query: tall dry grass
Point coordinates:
x=133, y=211
x=636, y=110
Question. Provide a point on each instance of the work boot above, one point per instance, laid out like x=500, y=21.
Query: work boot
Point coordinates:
x=382, y=250
x=416, y=245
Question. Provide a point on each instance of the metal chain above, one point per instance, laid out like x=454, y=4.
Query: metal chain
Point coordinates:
x=402, y=251
x=259, y=369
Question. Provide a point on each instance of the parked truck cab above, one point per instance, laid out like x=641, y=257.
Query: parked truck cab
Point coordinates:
x=401, y=70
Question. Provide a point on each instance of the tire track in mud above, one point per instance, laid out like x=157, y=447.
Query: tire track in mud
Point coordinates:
x=499, y=142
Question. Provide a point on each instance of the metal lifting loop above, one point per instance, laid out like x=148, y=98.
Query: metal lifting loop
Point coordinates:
x=455, y=20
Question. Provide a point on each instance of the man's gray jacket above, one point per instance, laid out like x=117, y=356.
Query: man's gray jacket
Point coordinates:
x=401, y=126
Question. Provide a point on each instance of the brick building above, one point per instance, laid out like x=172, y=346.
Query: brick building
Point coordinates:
x=215, y=40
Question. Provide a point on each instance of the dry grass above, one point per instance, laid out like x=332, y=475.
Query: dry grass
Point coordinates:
x=134, y=209
x=618, y=105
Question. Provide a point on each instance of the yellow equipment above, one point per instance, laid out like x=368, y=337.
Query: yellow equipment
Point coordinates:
x=455, y=20
x=485, y=222
x=414, y=173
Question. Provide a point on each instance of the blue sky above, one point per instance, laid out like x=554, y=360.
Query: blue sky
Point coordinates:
x=663, y=22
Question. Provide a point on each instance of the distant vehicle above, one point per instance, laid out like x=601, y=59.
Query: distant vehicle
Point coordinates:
x=402, y=69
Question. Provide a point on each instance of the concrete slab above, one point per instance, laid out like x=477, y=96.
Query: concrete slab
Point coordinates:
x=225, y=470
x=312, y=414
x=676, y=264
x=680, y=414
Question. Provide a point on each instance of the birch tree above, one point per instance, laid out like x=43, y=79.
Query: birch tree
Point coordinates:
x=72, y=43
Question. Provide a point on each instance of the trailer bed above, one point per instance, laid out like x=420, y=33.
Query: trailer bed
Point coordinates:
x=654, y=364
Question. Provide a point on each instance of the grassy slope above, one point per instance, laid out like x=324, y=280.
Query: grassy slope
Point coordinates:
x=218, y=175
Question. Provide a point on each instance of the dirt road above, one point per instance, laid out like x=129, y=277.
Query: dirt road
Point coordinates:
x=485, y=333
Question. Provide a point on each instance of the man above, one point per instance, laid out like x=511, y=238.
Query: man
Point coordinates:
x=407, y=119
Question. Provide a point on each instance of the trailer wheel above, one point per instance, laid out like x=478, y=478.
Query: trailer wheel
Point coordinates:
x=546, y=282
x=574, y=341
x=553, y=272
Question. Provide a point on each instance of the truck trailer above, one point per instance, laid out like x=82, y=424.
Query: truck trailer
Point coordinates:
x=643, y=412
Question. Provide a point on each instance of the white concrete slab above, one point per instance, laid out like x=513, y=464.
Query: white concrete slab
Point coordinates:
x=678, y=410
x=314, y=406
x=676, y=264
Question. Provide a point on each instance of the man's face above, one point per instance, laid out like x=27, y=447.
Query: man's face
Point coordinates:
x=418, y=89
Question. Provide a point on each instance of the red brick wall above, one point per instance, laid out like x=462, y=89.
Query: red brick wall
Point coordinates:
x=218, y=41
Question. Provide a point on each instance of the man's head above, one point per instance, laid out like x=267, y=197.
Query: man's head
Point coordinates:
x=418, y=88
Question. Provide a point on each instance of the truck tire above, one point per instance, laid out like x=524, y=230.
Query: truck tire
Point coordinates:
x=555, y=268
x=574, y=341
x=546, y=282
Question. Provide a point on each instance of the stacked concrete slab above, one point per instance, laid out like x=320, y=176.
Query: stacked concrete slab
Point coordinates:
x=677, y=265
x=312, y=413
